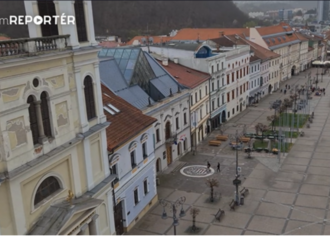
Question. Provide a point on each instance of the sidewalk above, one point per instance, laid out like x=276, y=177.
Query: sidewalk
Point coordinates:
x=291, y=197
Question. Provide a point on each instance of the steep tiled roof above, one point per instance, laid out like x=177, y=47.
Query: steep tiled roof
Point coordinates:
x=109, y=44
x=186, y=76
x=207, y=33
x=279, y=28
x=125, y=124
x=4, y=38
x=258, y=50
x=194, y=34
x=156, y=39
x=224, y=41
x=301, y=37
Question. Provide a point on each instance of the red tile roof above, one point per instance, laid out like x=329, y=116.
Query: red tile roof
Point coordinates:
x=207, y=33
x=259, y=51
x=156, y=39
x=4, y=38
x=186, y=76
x=194, y=34
x=301, y=37
x=109, y=44
x=127, y=123
x=279, y=28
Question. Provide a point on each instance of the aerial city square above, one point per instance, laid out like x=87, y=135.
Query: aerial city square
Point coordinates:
x=208, y=121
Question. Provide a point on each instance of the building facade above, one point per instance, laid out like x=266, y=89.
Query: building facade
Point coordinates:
x=131, y=156
x=145, y=84
x=53, y=162
x=198, y=84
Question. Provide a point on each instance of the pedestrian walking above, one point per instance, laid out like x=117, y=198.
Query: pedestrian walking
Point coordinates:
x=208, y=165
x=218, y=167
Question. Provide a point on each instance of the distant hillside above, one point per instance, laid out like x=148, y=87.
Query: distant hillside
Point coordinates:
x=130, y=18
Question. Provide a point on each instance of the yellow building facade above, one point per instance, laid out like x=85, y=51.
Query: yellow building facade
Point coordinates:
x=52, y=130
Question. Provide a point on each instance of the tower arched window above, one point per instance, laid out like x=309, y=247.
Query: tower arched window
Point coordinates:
x=80, y=20
x=45, y=114
x=89, y=98
x=47, y=188
x=33, y=119
x=47, y=8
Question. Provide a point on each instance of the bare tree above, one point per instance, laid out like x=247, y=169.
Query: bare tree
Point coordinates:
x=211, y=183
x=194, y=212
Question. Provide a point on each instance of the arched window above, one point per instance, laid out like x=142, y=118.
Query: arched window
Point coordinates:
x=45, y=114
x=89, y=98
x=48, y=187
x=167, y=130
x=33, y=119
x=47, y=8
x=80, y=20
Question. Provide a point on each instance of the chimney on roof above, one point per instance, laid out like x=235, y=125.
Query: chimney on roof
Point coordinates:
x=165, y=62
x=222, y=33
x=119, y=40
x=176, y=60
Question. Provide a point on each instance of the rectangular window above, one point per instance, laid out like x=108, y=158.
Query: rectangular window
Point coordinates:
x=191, y=100
x=113, y=169
x=228, y=97
x=80, y=20
x=185, y=145
x=177, y=122
x=218, y=84
x=218, y=101
x=237, y=92
x=201, y=113
x=237, y=77
x=207, y=108
x=232, y=76
x=47, y=8
x=212, y=86
x=213, y=107
x=223, y=82
x=200, y=94
x=196, y=97
x=157, y=135
x=240, y=72
x=217, y=67
x=244, y=88
x=233, y=94
x=240, y=90
x=212, y=69
x=221, y=65
x=136, y=196
x=185, y=118
x=133, y=162
x=206, y=92
x=228, y=79
x=145, y=186
x=144, y=150
x=223, y=98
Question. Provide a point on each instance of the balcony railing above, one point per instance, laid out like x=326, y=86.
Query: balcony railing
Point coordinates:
x=32, y=46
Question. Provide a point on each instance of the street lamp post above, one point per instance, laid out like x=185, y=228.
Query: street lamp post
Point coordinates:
x=236, y=181
x=173, y=207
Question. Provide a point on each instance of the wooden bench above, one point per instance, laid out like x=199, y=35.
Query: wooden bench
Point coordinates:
x=232, y=205
x=219, y=214
x=245, y=139
x=244, y=192
x=214, y=143
x=222, y=137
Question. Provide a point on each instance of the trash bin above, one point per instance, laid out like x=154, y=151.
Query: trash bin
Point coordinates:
x=242, y=200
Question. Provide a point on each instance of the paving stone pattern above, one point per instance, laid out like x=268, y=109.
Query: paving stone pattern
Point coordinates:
x=289, y=195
